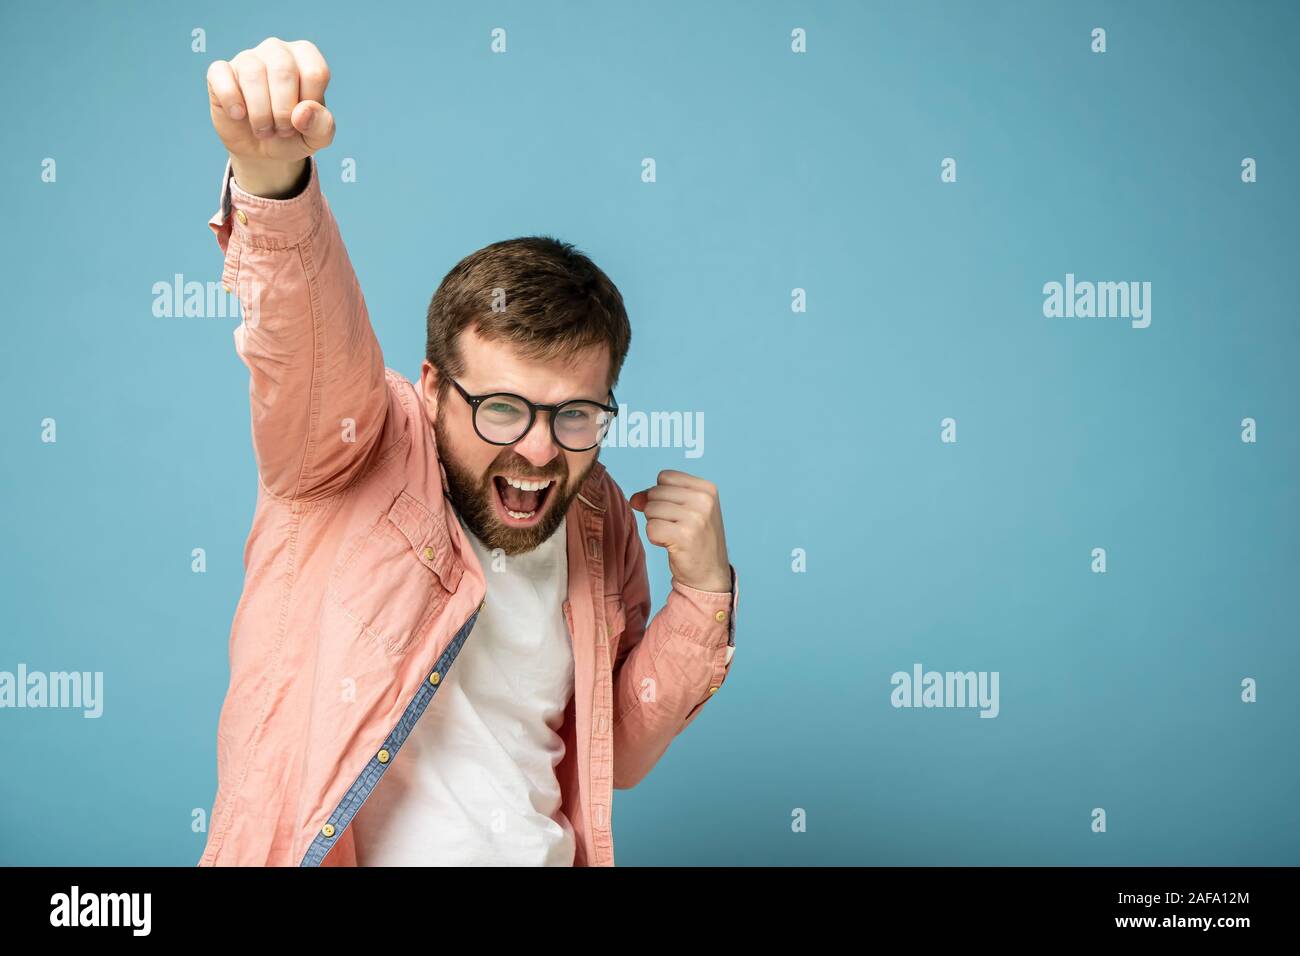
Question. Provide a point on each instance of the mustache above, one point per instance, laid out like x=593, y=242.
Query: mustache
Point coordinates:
x=525, y=474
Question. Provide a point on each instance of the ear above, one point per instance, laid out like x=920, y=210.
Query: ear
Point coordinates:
x=429, y=390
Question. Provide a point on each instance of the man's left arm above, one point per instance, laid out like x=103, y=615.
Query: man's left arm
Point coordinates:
x=667, y=670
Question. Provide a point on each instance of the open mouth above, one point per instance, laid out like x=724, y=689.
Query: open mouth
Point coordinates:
x=521, y=501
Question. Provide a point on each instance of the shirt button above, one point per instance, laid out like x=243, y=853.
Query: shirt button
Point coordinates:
x=712, y=689
x=435, y=677
x=327, y=830
x=383, y=756
x=428, y=554
x=243, y=219
x=720, y=616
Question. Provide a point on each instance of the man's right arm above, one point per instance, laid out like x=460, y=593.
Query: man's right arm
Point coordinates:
x=317, y=386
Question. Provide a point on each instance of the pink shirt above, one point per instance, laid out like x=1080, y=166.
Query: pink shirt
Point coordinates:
x=361, y=588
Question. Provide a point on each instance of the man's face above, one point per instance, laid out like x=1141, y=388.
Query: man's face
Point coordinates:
x=477, y=470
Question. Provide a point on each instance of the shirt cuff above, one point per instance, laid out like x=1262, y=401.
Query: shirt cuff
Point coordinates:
x=715, y=603
x=267, y=223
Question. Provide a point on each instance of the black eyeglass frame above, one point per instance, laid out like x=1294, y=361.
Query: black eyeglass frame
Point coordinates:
x=533, y=408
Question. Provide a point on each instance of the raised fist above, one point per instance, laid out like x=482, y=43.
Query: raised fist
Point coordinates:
x=268, y=103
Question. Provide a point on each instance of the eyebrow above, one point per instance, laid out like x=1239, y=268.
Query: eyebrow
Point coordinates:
x=577, y=398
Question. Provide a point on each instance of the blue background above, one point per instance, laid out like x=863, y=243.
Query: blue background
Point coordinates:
x=775, y=171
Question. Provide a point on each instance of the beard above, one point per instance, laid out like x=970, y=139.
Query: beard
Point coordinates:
x=471, y=495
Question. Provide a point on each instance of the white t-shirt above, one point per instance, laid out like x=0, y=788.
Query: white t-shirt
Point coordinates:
x=474, y=784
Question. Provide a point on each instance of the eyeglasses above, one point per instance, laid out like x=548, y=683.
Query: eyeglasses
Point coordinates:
x=502, y=418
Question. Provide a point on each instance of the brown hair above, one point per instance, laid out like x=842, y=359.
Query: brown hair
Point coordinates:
x=557, y=301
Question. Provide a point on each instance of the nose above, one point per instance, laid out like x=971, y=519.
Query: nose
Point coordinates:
x=538, y=446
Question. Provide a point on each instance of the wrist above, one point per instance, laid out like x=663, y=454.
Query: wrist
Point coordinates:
x=712, y=585
x=270, y=179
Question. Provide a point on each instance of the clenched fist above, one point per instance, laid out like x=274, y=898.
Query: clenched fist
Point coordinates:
x=268, y=108
x=683, y=514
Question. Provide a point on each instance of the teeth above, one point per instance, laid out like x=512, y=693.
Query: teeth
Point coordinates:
x=527, y=485
x=520, y=514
